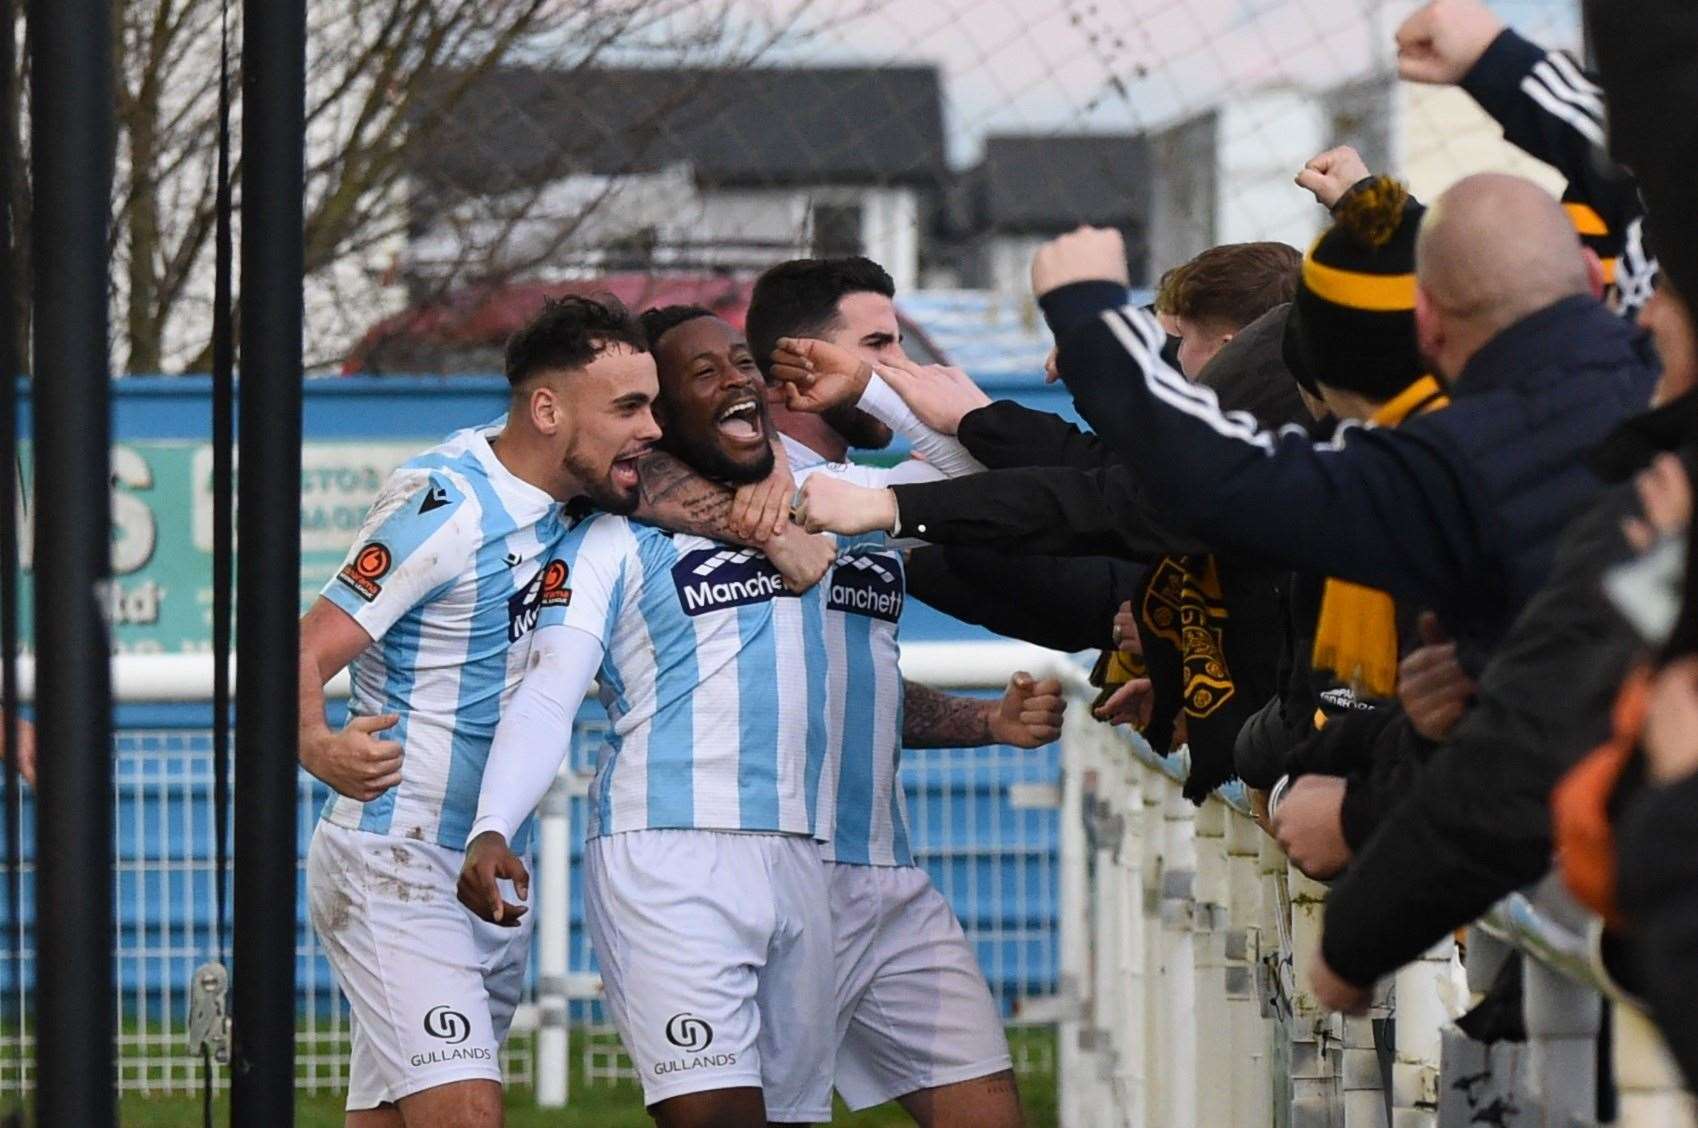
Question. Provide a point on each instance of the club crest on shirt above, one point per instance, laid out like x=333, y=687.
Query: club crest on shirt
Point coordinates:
x=715, y=579
x=867, y=583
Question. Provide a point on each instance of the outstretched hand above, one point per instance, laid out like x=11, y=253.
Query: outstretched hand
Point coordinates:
x=939, y=394
x=831, y=505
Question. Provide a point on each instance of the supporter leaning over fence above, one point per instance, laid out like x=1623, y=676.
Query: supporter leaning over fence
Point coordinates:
x=1458, y=510
x=1478, y=826
x=1550, y=109
x=1202, y=682
x=1647, y=52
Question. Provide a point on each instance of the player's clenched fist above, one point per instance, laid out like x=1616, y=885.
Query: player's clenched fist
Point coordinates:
x=1440, y=43
x=354, y=761
x=1090, y=254
x=1029, y=714
x=801, y=558
x=488, y=862
x=831, y=505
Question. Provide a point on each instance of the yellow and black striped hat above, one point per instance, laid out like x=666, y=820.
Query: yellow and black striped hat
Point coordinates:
x=1352, y=326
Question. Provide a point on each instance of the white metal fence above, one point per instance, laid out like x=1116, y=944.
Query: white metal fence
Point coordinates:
x=1186, y=943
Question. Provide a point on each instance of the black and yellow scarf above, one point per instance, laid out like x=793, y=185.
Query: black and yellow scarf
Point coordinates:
x=1356, y=633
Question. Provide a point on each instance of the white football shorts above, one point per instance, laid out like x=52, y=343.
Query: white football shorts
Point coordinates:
x=432, y=988
x=715, y=951
x=913, y=1009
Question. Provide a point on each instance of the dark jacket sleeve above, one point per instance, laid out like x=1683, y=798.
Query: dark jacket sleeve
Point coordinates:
x=1648, y=55
x=1016, y=596
x=1553, y=111
x=1657, y=859
x=1384, y=508
x=1004, y=435
x=1476, y=827
x=1051, y=511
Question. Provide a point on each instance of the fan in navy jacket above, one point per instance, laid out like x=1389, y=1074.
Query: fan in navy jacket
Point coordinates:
x=1460, y=510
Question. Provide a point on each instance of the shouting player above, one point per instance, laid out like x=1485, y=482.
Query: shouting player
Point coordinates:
x=730, y=702
x=434, y=611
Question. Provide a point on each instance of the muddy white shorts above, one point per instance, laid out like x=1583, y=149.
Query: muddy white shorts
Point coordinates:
x=431, y=987
x=715, y=953
x=913, y=1009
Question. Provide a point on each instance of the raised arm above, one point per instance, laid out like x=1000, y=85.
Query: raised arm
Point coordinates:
x=1339, y=509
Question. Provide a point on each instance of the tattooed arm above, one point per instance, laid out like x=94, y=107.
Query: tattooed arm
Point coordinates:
x=1027, y=715
x=674, y=496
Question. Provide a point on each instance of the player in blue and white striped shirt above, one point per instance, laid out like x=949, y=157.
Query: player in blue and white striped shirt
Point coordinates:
x=703, y=889
x=434, y=611
x=731, y=704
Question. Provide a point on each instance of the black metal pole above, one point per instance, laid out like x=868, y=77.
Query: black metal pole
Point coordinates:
x=12, y=1018
x=268, y=564
x=71, y=108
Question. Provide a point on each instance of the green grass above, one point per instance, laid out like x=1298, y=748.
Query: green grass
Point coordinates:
x=617, y=1105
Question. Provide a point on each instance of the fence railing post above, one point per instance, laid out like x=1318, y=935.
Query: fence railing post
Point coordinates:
x=554, y=912
x=1127, y=968
x=1210, y=894
x=1314, y=1036
x=1252, y=1079
x=1563, y=1018
x=1421, y=1019
x=1179, y=953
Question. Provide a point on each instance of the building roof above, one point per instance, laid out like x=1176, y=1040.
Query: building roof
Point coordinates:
x=517, y=127
x=1054, y=183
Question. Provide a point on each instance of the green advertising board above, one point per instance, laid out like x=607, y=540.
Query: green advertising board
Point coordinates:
x=161, y=597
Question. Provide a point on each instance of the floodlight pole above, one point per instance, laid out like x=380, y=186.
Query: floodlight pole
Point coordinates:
x=71, y=110
x=268, y=516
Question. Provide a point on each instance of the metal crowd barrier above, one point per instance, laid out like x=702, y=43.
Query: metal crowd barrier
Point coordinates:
x=1186, y=944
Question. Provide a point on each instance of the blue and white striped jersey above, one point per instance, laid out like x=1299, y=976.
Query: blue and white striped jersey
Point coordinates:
x=713, y=680
x=447, y=577
x=727, y=695
x=865, y=820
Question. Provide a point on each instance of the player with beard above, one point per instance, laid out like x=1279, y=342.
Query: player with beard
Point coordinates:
x=726, y=709
x=434, y=613
x=916, y=1022
x=703, y=890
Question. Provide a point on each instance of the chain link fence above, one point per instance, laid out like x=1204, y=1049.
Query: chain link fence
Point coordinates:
x=463, y=158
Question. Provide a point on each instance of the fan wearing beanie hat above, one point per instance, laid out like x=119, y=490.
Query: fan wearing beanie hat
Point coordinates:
x=1350, y=342
x=1352, y=326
